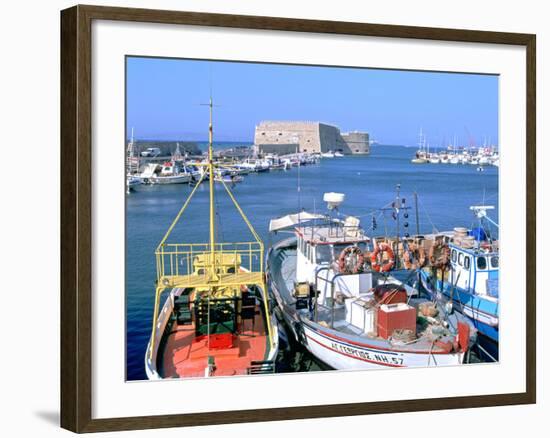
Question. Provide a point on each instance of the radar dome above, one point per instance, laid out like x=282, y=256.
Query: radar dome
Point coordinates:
x=333, y=200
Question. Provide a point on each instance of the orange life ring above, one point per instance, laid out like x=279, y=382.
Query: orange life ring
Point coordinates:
x=414, y=257
x=440, y=254
x=342, y=260
x=382, y=248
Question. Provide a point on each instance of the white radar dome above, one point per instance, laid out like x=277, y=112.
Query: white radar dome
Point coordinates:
x=333, y=200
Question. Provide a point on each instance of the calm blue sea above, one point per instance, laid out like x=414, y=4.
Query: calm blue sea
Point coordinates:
x=445, y=192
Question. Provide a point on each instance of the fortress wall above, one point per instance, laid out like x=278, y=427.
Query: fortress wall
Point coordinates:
x=312, y=137
x=278, y=148
x=357, y=142
x=306, y=134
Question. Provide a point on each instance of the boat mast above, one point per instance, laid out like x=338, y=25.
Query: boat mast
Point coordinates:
x=212, y=203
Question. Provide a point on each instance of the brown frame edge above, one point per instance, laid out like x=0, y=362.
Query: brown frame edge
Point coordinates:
x=76, y=198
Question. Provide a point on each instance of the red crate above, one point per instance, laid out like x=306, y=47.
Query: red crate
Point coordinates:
x=395, y=317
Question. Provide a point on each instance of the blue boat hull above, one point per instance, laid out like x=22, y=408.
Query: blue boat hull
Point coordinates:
x=470, y=305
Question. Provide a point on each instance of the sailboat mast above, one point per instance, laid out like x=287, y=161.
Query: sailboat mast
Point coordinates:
x=211, y=185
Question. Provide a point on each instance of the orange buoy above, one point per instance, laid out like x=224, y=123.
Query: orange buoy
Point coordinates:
x=342, y=260
x=382, y=248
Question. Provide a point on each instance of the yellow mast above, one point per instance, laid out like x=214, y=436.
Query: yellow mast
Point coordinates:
x=212, y=204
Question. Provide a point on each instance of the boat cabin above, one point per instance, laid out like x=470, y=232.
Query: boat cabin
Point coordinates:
x=474, y=269
x=322, y=245
x=169, y=168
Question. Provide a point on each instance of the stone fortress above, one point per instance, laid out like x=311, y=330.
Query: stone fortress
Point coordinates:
x=289, y=137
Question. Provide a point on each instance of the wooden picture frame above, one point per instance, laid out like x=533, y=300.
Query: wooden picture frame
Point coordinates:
x=76, y=216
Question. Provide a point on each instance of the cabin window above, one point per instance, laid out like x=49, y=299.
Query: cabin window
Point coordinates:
x=338, y=248
x=453, y=255
x=481, y=263
x=460, y=259
x=494, y=262
x=323, y=253
x=467, y=262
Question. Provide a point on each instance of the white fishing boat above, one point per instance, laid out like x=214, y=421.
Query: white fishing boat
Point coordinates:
x=328, y=154
x=171, y=173
x=337, y=296
x=133, y=182
x=338, y=154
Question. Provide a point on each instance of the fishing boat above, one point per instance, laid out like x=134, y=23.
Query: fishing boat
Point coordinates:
x=328, y=154
x=338, y=154
x=171, y=173
x=211, y=315
x=229, y=178
x=336, y=294
x=133, y=182
x=471, y=280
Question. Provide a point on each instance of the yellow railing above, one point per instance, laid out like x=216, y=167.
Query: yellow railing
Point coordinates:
x=177, y=259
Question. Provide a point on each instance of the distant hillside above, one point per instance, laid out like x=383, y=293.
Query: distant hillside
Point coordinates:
x=168, y=147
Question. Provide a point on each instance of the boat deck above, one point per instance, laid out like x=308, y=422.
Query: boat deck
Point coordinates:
x=283, y=266
x=184, y=355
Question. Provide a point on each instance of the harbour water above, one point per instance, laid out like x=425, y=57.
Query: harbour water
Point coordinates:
x=445, y=191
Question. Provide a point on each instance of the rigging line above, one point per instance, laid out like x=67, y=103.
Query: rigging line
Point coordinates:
x=434, y=228
x=177, y=218
x=250, y=227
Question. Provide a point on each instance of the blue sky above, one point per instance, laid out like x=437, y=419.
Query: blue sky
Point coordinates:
x=164, y=97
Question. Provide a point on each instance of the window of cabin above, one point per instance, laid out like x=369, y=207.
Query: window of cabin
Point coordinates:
x=467, y=262
x=323, y=254
x=481, y=263
x=453, y=255
x=494, y=262
x=461, y=259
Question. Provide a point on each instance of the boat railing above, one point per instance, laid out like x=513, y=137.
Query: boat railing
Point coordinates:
x=180, y=259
